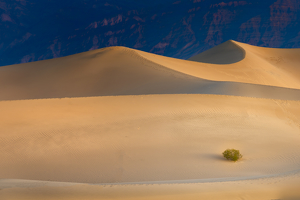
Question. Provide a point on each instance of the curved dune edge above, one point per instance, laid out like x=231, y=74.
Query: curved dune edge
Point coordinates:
x=258, y=65
x=226, y=53
x=23, y=183
x=283, y=186
x=277, y=188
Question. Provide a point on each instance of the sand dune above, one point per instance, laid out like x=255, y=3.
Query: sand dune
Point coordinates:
x=124, y=71
x=241, y=63
x=142, y=126
x=226, y=53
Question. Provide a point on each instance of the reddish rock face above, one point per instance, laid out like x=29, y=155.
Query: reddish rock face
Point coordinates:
x=38, y=30
x=283, y=13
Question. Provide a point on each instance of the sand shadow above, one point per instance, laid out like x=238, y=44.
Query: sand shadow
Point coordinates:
x=225, y=53
x=215, y=157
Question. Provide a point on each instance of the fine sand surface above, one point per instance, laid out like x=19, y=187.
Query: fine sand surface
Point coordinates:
x=118, y=123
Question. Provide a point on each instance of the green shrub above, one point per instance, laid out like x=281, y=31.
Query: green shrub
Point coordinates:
x=232, y=154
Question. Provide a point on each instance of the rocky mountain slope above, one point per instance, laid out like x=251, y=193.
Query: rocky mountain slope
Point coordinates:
x=37, y=30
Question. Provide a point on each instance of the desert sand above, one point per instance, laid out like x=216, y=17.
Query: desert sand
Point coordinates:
x=118, y=123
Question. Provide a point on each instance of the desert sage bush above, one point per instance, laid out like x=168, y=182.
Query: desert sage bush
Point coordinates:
x=232, y=154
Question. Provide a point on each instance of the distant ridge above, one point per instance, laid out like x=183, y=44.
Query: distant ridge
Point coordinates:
x=226, y=53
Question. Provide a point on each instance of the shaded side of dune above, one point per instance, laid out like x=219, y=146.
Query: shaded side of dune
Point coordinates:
x=226, y=53
x=192, y=86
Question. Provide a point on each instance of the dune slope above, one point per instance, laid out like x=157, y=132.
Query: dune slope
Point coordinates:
x=172, y=142
x=226, y=53
x=124, y=71
x=240, y=63
x=147, y=138
x=109, y=71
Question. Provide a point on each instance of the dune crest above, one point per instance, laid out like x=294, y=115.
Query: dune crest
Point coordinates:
x=124, y=71
x=260, y=65
x=226, y=53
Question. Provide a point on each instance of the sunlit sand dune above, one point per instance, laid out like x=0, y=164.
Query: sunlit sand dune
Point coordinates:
x=237, y=62
x=118, y=123
x=124, y=71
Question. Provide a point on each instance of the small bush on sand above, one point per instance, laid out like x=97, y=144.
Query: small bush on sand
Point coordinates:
x=232, y=154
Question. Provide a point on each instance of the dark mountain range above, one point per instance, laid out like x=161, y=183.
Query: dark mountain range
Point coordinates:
x=34, y=30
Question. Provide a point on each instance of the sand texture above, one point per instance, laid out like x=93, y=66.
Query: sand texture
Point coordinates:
x=118, y=123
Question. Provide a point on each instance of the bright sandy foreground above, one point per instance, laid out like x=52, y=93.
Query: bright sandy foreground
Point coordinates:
x=150, y=138
x=143, y=126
